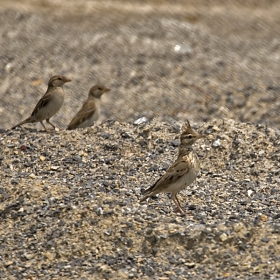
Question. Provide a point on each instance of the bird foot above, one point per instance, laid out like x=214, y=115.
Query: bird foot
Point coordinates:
x=182, y=212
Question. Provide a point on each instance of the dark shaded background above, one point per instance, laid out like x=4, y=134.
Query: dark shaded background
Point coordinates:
x=189, y=59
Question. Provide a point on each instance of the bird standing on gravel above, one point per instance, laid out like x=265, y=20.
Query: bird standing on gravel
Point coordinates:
x=50, y=103
x=90, y=111
x=182, y=173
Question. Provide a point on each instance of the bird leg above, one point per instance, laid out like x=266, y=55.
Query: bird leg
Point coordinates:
x=41, y=122
x=176, y=201
x=48, y=121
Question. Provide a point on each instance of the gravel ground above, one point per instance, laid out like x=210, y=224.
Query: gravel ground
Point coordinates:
x=69, y=200
x=197, y=60
x=70, y=204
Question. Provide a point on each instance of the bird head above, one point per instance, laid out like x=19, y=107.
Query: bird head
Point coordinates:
x=189, y=136
x=58, y=81
x=97, y=90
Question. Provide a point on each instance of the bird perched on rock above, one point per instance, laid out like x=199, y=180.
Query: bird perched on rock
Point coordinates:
x=182, y=172
x=90, y=111
x=50, y=103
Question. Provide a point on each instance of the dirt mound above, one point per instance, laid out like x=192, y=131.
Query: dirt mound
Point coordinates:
x=70, y=204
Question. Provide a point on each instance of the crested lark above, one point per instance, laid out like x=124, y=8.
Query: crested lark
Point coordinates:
x=180, y=174
x=90, y=111
x=49, y=104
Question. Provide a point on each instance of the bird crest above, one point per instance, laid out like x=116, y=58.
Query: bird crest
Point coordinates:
x=187, y=129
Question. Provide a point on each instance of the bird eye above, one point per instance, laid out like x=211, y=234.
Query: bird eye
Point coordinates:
x=59, y=78
x=100, y=88
x=189, y=136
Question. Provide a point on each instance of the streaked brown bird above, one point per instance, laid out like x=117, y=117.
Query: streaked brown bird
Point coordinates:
x=180, y=174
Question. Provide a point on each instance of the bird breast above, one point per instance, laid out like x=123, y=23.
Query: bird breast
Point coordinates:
x=188, y=177
x=53, y=106
x=58, y=97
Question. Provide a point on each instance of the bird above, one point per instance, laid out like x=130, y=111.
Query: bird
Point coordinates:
x=90, y=111
x=49, y=104
x=182, y=172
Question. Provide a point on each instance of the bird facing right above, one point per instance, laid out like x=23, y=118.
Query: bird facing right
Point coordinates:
x=49, y=104
x=180, y=174
x=90, y=111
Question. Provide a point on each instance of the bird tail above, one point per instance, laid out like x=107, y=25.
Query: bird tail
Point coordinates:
x=148, y=192
x=70, y=127
x=23, y=122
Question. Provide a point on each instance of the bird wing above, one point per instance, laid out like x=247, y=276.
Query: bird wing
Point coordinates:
x=174, y=172
x=87, y=111
x=42, y=102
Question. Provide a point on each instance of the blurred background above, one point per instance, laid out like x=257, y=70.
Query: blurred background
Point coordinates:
x=172, y=60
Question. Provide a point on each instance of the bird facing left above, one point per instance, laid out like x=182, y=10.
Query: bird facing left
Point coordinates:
x=49, y=104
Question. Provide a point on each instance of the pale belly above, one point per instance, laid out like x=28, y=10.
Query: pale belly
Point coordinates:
x=90, y=121
x=52, y=107
x=183, y=182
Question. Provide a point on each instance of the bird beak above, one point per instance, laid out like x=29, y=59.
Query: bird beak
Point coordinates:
x=201, y=136
x=105, y=90
x=67, y=80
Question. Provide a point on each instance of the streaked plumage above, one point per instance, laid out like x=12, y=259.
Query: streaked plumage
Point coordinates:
x=180, y=174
